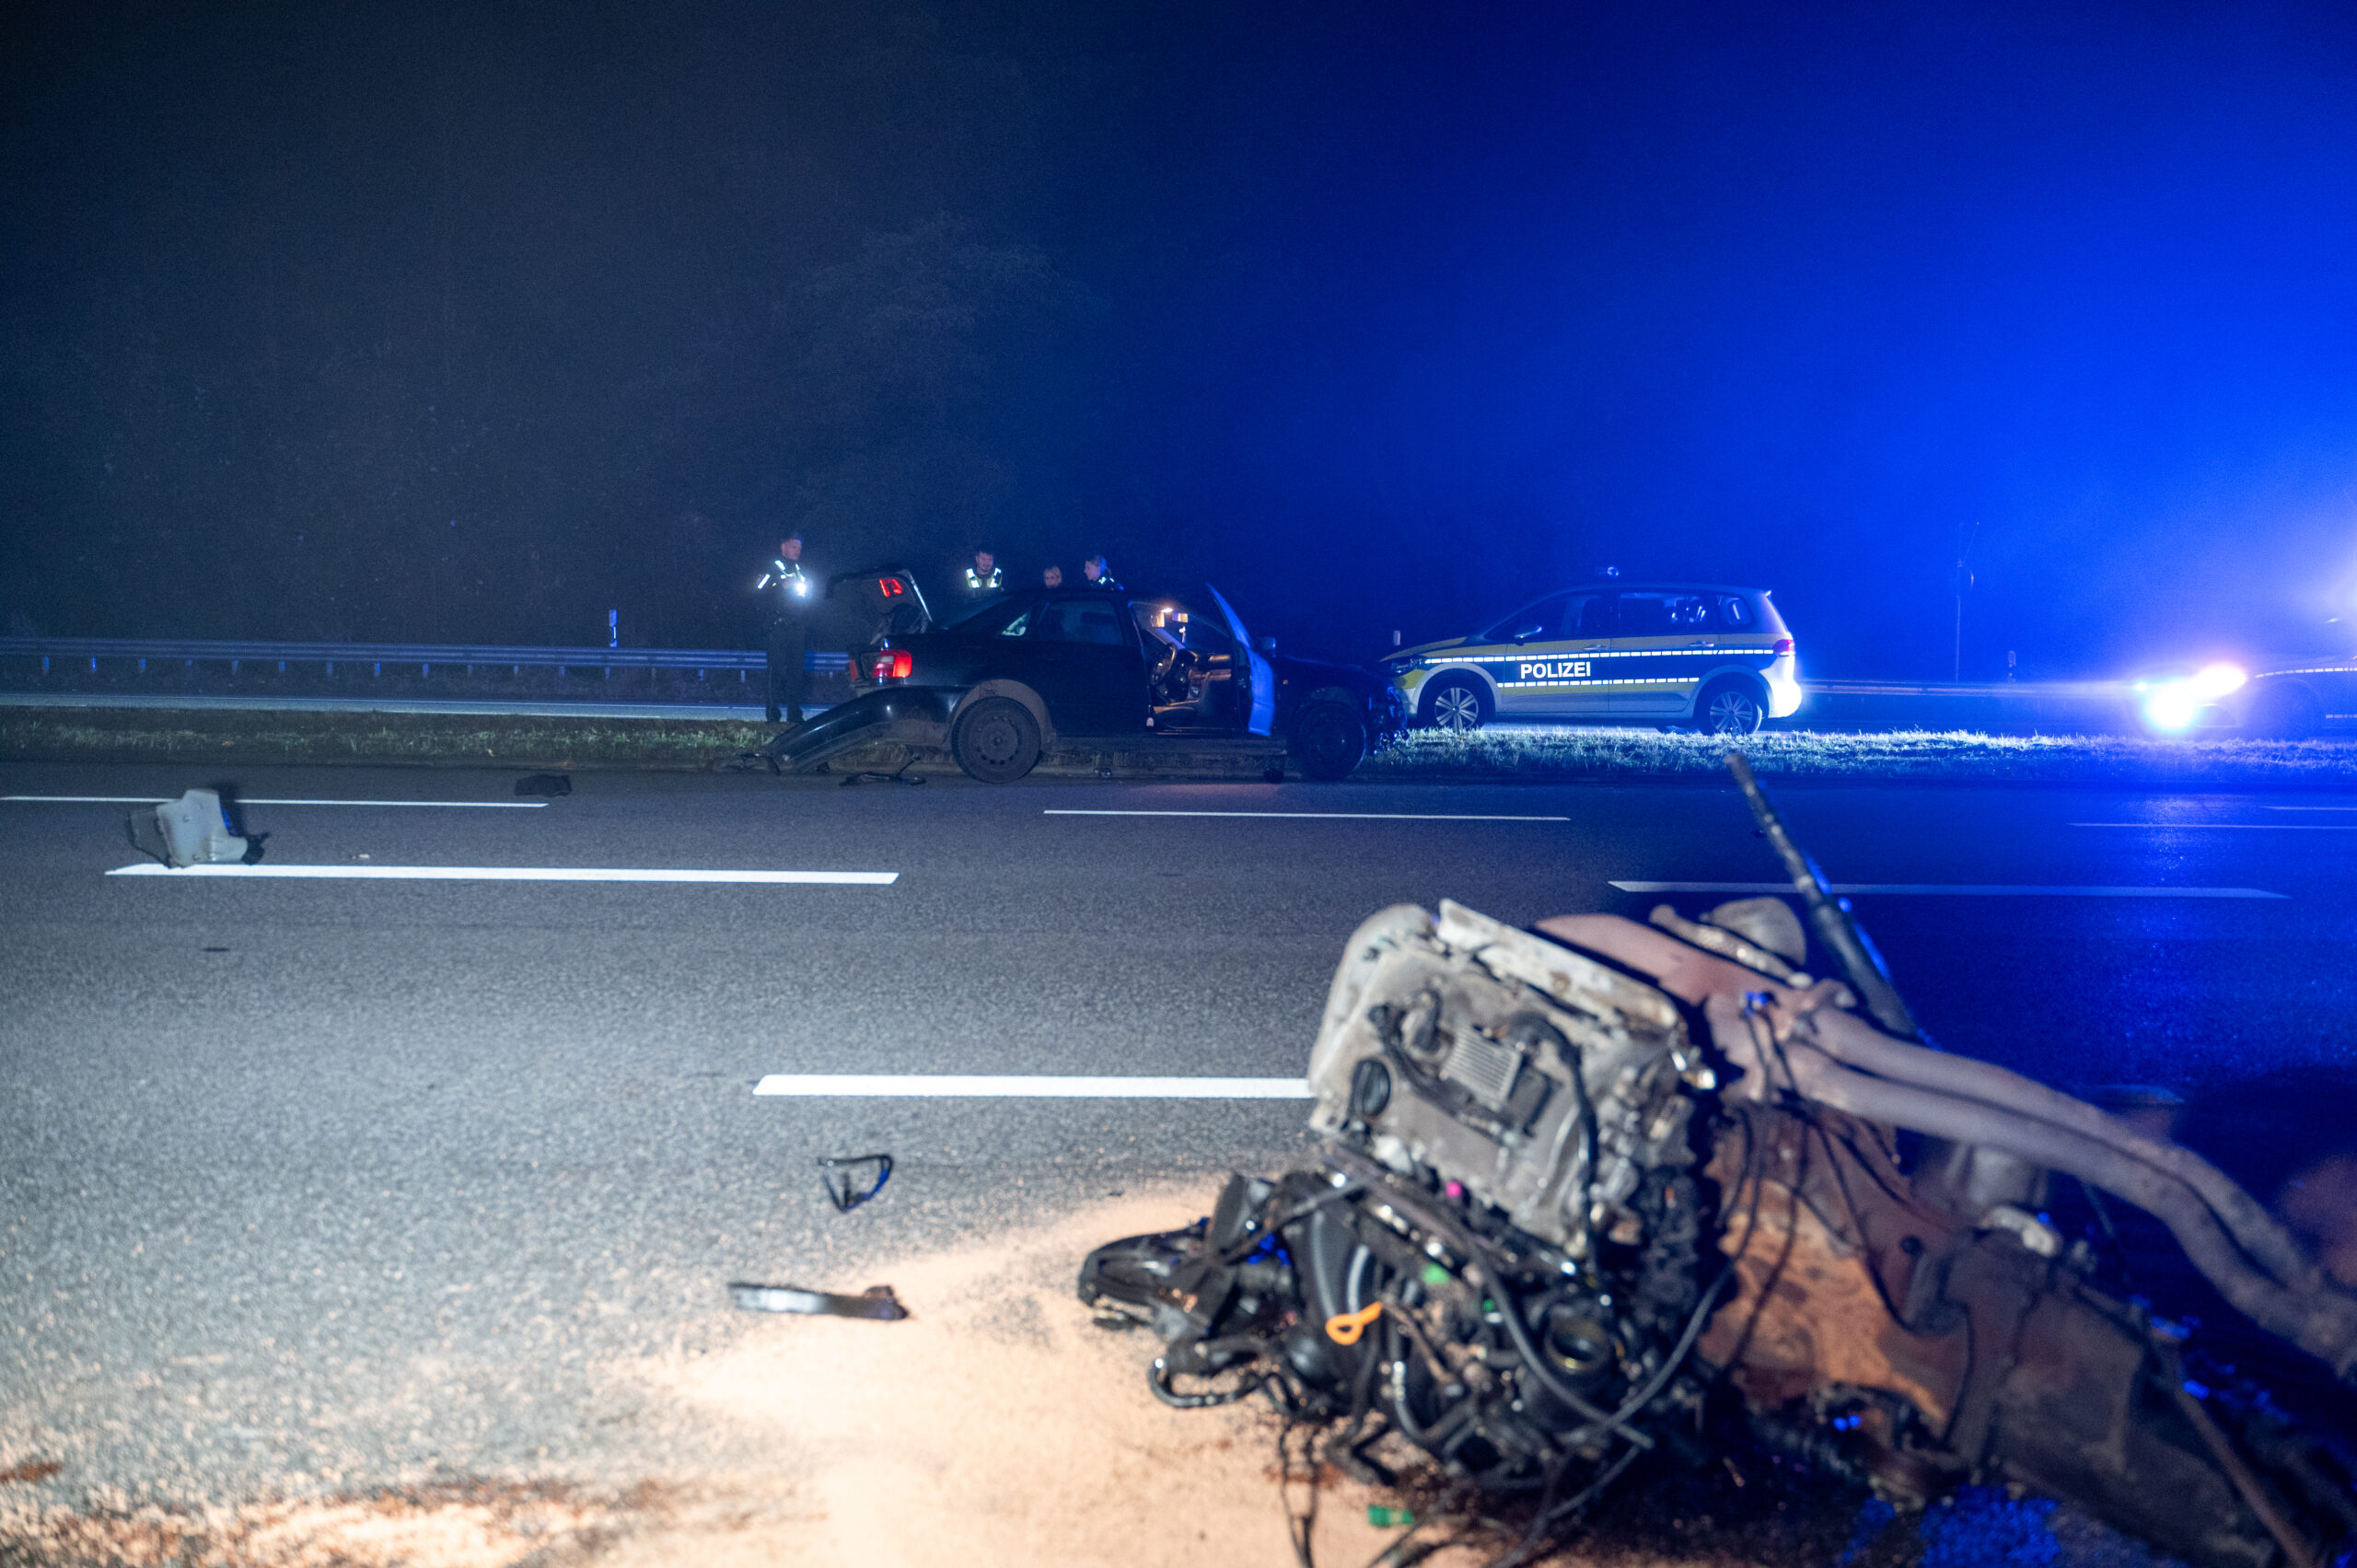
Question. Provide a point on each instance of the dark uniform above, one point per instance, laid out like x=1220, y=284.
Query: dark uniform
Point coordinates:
x=1102, y=578
x=793, y=599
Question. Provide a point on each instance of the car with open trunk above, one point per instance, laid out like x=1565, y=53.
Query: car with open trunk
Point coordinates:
x=1005, y=682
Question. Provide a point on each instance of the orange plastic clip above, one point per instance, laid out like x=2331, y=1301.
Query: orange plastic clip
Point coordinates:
x=1344, y=1328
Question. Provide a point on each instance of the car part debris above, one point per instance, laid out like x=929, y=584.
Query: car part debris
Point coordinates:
x=1720, y=937
x=852, y=1179
x=875, y=1301
x=1601, y=1193
x=899, y=775
x=195, y=829
x=545, y=784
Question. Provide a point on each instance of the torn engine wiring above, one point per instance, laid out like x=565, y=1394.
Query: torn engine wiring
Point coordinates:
x=1601, y=1192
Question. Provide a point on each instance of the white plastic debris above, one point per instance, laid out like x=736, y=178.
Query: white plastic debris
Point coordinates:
x=191, y=831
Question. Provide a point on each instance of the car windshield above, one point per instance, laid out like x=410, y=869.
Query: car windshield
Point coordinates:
x=1561, y=615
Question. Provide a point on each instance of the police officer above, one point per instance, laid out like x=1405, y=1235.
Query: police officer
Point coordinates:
x=983, y=578
x=792, y=597
x=1052, y=576
x=1100, y=573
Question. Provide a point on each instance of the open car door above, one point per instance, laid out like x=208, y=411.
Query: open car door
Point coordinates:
x=1250, y=666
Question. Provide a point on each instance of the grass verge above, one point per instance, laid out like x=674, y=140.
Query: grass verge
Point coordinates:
x=1930, y=756
x=154, y=734
x=168, y=734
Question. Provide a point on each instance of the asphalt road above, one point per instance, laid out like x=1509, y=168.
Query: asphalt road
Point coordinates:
x=319, y=1184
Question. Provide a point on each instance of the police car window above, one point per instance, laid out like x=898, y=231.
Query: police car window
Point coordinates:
x=1588, y=615
x=1663, y=615
x=1078, y=621
x=1642, y=615
x=1533, y=620
x=1735, y=613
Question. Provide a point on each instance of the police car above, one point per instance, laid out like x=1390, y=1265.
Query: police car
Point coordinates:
x=2290, y=700
x=1715, y=657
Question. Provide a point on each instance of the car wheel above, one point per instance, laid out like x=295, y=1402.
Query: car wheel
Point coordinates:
x=1327, y=740
x=2282, y=711
x=996, y=741
x=1729, y=708
x=1456, y=703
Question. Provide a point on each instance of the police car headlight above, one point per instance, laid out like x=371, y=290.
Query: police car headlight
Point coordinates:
x=2216, y=680
x=2173, y=706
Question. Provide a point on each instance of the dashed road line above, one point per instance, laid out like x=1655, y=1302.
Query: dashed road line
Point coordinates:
x=509, y=874
x=1962, y=889
x=951, y=1086
x=1322, y=816
x=2271, y=827
x=261, y=800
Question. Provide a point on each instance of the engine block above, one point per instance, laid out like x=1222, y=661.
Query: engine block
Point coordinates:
x=1539, y=1082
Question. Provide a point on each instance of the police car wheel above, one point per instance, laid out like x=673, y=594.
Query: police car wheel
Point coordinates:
x=1729, y=708
x=1327, y=740
x=1456, y=704
x=996, y=741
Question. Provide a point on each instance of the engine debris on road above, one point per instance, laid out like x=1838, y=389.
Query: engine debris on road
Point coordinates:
x=1599, y=1193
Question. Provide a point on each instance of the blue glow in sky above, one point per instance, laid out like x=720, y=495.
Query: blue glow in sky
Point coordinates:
x=1379, y=315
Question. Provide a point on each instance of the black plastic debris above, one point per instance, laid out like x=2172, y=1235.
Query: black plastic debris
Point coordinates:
x=545, y=784
x=852, y=1179
x=899, y=775
x=876, y=1302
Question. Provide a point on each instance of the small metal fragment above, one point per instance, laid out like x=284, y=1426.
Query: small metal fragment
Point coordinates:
x=876, y=1302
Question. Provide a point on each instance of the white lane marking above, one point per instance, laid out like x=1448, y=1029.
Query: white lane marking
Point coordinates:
x=952, y=1086
x=1966, y=889
x=2273, y=827
x=96, y=799
x=2313, y=809
x=507, y=873
x=468, y=804
x=259, y=800
x=1339, y=816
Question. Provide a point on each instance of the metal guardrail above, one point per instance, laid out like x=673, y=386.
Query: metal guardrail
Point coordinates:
x=142, y=651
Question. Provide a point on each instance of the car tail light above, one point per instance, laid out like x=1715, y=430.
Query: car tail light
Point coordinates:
x=1781, y=646
x=893, y=664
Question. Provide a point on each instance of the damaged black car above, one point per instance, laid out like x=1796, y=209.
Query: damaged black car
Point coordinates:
x=1003, y=684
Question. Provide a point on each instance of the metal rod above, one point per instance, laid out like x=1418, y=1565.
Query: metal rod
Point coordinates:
x=1835, y=927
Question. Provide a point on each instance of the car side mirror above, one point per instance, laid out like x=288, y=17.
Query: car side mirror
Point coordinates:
x=1267, y=644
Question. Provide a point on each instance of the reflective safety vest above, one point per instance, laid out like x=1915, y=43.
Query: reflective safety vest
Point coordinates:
x=792, y=583
x=978, y=584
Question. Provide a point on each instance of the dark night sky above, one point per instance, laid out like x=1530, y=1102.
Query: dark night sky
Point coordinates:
x=443, y=322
